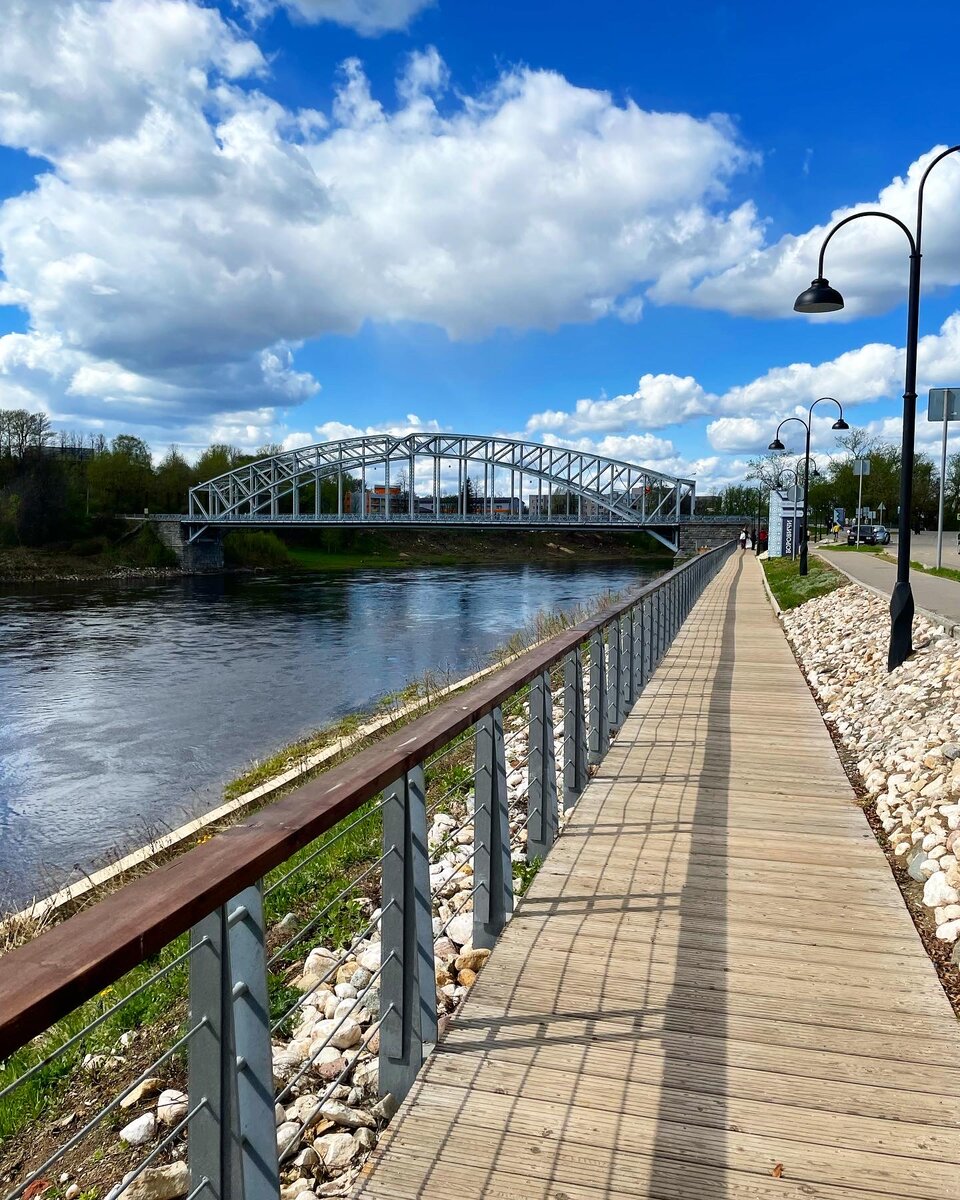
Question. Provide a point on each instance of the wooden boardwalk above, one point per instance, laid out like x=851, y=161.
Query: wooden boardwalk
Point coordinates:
x=713, y=976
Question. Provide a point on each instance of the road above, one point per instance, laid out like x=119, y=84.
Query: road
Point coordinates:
x=937, y=596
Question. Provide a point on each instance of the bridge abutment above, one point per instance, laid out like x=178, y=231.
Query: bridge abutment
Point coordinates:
x=695, y=535
x=204, y=554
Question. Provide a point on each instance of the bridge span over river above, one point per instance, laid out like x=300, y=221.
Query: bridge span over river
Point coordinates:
x=712, y=988
x=441, y=480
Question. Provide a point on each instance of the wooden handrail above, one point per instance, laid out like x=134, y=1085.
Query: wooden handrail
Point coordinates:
x=58, y=971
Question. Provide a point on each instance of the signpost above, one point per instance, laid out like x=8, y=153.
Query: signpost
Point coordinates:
x=861, y=467
x=943, y=404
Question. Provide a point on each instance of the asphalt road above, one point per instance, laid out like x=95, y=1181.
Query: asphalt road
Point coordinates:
x=938, y=596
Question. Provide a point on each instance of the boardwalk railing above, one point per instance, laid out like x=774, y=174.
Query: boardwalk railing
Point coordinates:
x=205, y=918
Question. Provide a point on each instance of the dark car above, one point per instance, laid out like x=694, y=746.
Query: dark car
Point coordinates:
x=883, y=535
x=865, y=535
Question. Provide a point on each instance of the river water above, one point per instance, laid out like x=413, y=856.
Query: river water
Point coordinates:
x=124, y=709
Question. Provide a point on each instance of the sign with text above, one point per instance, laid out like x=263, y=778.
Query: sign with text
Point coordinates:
x=861, y=466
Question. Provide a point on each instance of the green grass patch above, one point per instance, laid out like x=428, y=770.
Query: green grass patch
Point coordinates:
x=942, y=572
x=847, y=549
x=254, y=548
x=791, y=589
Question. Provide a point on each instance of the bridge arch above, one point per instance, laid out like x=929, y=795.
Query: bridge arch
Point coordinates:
x=607, y=491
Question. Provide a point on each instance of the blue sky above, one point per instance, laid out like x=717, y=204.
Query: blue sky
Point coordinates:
x=278, y=220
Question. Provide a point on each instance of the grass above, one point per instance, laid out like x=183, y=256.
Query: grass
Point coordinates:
x=942, y=572
x=847, y=549
x=791, y=589
x=325, y=869
x=254, y=548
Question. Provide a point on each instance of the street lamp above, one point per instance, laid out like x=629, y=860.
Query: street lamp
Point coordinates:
x=776, y=444
x=821, y=297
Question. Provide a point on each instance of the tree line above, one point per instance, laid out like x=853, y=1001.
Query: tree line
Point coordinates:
x=57, y=487
x=833, y=483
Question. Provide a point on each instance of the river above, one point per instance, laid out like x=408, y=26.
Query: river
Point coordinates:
x=124, y=709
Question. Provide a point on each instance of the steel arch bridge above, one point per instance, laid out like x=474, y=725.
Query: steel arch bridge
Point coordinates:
x=523, y=483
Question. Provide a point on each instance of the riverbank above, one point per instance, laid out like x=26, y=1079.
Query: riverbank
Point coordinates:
x=143, y=557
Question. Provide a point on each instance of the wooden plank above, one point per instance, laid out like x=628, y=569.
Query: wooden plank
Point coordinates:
x=713, y=972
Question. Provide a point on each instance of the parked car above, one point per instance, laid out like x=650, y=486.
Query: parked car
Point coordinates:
x=883, y=535
x=865, y=535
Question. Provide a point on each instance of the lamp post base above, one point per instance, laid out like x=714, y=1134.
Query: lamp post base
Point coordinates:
x=901, y=625
x=803, y=557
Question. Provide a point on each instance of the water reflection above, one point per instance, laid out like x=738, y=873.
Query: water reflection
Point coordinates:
x=125, y=709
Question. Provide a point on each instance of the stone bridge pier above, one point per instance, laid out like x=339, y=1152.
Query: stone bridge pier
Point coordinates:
x=204, y=554
x=694, y=535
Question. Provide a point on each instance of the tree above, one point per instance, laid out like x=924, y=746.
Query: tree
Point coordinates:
x=121, y=480
x=172, y=482
x=770, y=470
x=216, y=460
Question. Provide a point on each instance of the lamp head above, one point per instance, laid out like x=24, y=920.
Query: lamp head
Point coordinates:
x=819, y=297
x=776, y=444
x=840, y=424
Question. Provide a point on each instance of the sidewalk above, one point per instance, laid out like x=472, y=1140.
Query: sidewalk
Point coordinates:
x=935, y=597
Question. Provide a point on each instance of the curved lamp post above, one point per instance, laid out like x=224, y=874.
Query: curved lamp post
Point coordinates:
x=821, y=297
x=776, y=444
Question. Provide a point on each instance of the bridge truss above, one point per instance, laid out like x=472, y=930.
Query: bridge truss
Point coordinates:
x=523, y=483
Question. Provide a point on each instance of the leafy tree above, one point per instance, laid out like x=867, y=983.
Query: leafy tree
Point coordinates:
x=216, y=460
x=172, y=482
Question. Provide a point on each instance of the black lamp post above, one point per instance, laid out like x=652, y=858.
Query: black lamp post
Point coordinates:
x=821, y=297
x=776, y=444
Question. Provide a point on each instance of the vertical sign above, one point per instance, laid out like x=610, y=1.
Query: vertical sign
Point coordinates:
x=943, y=404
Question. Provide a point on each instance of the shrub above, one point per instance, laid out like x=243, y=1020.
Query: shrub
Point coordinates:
x=254, y=549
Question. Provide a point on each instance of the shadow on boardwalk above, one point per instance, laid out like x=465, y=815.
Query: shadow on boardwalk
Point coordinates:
x=687, y=996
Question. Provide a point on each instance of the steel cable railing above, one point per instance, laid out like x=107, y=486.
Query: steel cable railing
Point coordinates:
x=565, y=699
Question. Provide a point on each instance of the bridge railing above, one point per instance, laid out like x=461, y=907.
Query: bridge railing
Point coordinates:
x=194, y=959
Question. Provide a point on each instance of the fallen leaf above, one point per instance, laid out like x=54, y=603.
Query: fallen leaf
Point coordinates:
x=777, y=1171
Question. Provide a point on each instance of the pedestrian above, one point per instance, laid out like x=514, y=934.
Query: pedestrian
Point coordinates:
x=743, y=538
x=836, y=531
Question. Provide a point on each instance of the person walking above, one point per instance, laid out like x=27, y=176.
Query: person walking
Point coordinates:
x=743, y=538
x=836, y=531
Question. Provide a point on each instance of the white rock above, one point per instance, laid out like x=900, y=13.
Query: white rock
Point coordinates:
x=160, y=1183
x=172, y=1106
x=936, y=891
x=337, y=1150
x=141, y=1130
x=460, y=929
x=287, y=1136
x=949, y=931
x=348, y=1118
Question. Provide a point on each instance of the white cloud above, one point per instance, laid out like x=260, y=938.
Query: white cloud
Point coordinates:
x=659, y=400
x=191, y=230
x=867, y=261
x=367, y=17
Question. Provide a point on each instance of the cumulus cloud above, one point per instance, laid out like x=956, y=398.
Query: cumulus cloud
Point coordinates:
x=191, y=232
x=746, y=415
x=659, y=400
x=867, y=260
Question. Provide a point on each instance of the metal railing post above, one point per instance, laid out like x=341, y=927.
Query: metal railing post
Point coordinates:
x=626, y=664
x=599, y=730
x=646, y=641
x=408, y=976
x=214, y=1148
x=251, y=1021
x=542, y=824
x=493, y=870
x=613, y=676
x=574, y=729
